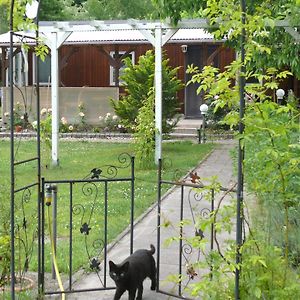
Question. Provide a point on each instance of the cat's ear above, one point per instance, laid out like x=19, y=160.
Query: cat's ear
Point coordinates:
x=126, y=266
x=111, y=264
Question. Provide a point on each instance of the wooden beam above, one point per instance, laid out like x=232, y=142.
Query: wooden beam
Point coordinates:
x=64, y=60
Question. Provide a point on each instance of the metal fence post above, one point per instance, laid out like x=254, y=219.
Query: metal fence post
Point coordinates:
x=132, y=205
x=54, y=224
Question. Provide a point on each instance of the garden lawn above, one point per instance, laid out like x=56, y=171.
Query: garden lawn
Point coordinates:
x=77, y=159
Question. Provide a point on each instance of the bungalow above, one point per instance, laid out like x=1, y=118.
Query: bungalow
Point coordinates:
x=90, y=63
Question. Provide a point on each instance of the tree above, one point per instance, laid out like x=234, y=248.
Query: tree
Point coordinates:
x=139, y=81
x=267, y=45
x=50, y=10
x=136, y=108
x=60, y=10
x=4, y=8
x=269, y=140
x=119, y=9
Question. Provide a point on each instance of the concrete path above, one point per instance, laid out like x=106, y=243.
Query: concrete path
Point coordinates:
x=219, y=164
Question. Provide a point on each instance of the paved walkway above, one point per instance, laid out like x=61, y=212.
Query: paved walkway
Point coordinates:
x=219, y=164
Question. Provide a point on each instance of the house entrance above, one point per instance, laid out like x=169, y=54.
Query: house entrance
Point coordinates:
x=200, y=56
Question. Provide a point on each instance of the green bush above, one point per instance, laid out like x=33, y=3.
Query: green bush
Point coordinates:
x=270, y=252
x=272, y=173
x=145, y=131
x=5, y=250
x=139, y=80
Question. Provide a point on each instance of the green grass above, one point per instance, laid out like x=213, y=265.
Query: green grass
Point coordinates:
x=76, y=161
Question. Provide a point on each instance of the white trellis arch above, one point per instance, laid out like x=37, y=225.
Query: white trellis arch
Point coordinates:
x=157, y=33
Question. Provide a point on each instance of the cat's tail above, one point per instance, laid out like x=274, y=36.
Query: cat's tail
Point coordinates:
x=152, y=251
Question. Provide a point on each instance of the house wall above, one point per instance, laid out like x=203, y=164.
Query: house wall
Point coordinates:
x=89, y=67
x=95, y=100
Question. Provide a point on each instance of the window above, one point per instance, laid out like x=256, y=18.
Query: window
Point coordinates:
x=112, y=69
x=20, y=75
x=44, y=71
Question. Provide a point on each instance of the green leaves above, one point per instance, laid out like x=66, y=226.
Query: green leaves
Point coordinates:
x=136, y=108
x=271, y=144
x=41, y=51
x=145, y=132
x=139, y=81
x=119, y=9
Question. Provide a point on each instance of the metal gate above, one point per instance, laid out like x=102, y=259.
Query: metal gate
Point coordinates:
x=77, y=217
x=178, y=222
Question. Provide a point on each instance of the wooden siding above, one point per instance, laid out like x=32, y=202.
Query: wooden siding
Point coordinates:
x=90, y=67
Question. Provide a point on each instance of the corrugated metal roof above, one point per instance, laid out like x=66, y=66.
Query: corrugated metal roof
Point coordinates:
x=134, y=36
x=21, y=37
x=84, y=36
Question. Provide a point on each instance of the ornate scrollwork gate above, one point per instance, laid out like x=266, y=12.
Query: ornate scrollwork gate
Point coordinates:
x=179, y=231
x=86, y=217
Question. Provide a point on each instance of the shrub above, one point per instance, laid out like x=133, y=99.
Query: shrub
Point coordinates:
x=139, y=80
x=271, y=171
x=145, y=132
x=81, y=125
x=20, y=117
x=109, y=122
x=5, y=250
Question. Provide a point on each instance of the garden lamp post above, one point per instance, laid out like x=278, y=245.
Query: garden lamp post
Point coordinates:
x=203, y=111
x=280, y=94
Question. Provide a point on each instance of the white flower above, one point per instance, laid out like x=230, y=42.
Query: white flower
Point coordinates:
x=100, y=118
x=64, y=121
x=81, y=114
x=216, y=97
x=71, y=128
x=43, y=111
x=22, y=117
x=49, y=110
x=120, y=126
x=34, y=124
x=115, y=117
x=108, y=115
x=6, y=114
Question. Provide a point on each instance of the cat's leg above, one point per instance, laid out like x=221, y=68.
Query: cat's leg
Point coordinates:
x=153, y=277
x=153, y=282
x=131, y=294
x=140, y=292
x=119, y=292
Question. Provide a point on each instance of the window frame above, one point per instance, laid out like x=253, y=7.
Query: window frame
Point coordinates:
x=41, y=83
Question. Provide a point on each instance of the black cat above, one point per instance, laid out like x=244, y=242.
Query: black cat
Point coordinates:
x=130, y=274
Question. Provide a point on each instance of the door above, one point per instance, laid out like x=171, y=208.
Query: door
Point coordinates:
x=198, y=55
